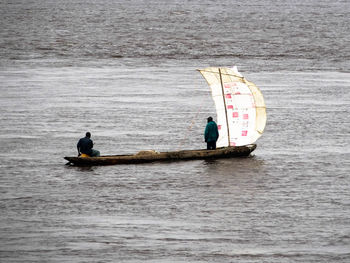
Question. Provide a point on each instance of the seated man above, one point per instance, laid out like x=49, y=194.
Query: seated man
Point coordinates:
x=85, y=146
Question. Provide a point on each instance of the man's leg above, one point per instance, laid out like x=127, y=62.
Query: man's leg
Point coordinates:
x=211, y=145
x=95, y=153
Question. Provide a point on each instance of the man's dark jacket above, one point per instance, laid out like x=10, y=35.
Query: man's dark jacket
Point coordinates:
x=85, y=145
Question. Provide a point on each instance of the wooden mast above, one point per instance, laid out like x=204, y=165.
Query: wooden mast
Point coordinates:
x=223, y=97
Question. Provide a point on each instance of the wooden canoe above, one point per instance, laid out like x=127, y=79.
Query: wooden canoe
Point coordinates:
x=153, y=156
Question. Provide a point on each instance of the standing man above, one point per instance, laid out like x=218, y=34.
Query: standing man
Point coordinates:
x=211, y=134
x=85, y=146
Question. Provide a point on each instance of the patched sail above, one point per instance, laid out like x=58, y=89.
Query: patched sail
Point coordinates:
x=240, y=106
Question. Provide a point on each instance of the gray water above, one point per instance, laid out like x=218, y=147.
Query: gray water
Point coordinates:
x=126, y=72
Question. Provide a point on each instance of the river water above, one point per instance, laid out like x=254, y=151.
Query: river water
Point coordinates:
x=126, y=72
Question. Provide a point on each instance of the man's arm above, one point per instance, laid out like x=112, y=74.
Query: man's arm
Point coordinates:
x=78, y=148
x=217, y=132
x=206, y=133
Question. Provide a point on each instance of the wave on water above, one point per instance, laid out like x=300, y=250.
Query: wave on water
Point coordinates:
x=316, y=33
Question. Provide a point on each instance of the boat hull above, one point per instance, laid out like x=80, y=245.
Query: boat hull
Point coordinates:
x=152, y=156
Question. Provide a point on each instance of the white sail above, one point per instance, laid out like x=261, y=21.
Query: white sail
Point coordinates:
x=240, y=106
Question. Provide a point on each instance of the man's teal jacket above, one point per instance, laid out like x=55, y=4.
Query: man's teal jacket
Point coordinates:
x=211, y=133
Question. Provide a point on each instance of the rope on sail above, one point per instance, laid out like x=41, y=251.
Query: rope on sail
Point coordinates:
x=222, y=73
x=188, y=130
x=193, y=121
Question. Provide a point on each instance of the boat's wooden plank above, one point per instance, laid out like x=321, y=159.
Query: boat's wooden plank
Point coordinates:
x=144, y=157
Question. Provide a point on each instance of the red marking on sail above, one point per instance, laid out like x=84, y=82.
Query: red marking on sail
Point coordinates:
x=230, y=107
x=235, y=114
x=219, y=127
x=245, y=116
x=232, y=144
x=244, y=133
x=228, y=96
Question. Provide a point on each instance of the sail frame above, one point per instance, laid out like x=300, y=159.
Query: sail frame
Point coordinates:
x=240, y=106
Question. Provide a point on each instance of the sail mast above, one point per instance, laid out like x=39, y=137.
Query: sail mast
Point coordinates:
x=223, y=97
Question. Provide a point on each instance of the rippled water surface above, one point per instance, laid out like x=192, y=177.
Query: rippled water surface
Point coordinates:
x=126, y=72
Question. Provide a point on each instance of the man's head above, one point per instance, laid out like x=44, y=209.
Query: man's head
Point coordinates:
x=210, y=119
x=88, y=134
